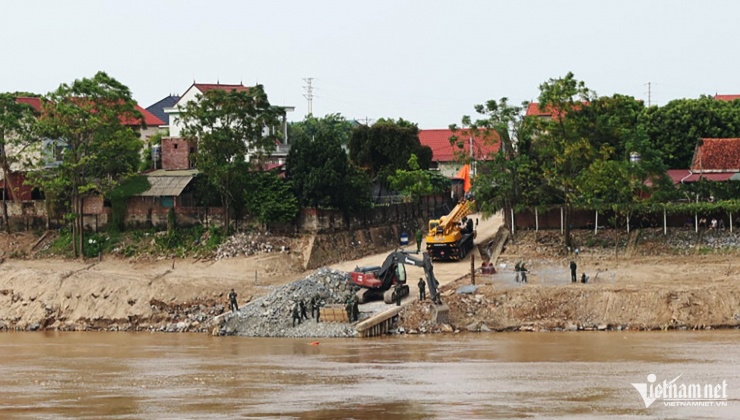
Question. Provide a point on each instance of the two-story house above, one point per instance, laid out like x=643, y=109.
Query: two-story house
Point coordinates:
x=191, y=94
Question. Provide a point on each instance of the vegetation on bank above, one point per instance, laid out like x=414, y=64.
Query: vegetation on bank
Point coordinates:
x=577, y=158
x=194, y=242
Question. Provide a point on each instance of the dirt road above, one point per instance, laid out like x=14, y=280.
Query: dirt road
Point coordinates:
x=445, y=271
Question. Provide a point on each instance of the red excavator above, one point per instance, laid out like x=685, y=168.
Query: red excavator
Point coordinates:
x=377, y=281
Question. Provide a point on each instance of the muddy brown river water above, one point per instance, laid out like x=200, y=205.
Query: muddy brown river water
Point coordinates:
x=473, y=376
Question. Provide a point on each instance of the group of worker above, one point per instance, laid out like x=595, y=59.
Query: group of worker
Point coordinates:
x=299, y=311
x=520, y=271
x=352, y=306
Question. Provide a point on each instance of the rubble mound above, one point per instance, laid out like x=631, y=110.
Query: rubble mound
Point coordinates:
x=270, y=316
x=252, y=243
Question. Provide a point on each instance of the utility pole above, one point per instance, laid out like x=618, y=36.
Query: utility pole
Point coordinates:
x=309, y=94
x=649, y=92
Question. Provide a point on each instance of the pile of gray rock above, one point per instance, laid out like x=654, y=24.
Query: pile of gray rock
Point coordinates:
x=270, y=316
x=252, y=243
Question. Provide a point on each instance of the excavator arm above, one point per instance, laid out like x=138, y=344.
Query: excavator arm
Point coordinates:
x=406, y=258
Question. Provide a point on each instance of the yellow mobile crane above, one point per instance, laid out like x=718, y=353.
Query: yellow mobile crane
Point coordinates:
x=448, y=237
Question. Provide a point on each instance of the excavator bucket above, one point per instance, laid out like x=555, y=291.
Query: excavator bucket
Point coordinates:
x=441, y=314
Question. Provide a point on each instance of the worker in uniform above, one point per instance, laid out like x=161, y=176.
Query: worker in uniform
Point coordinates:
x=355, y=309
x=573, y=277
x=311, y=304
x=318, y=307
x=422, y=289
x=348, y=308
x=233, y=305
x=419, y=237
x=302, y=305
x=398, y=293
x=523, y=271
x=296, y=314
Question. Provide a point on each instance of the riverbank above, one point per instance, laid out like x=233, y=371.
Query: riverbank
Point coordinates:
x=582, y=307
x=682, y=281
x=652, y=283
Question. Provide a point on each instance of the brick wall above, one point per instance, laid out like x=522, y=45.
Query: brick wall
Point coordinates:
x=176, y=153
x=17, y=180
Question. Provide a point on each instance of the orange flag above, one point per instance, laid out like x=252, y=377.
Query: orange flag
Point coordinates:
x=464, y=174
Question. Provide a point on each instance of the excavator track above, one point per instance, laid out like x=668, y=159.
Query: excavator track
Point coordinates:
x=390, y=295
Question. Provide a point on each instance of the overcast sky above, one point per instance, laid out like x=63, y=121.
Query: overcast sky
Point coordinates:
x=427, y=61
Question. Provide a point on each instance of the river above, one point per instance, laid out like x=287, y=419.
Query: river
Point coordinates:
x=54, y=375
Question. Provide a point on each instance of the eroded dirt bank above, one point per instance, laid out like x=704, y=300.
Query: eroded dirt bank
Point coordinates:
x=584, y=307
x=682, y=281
x=645, y=287
x=119, y=295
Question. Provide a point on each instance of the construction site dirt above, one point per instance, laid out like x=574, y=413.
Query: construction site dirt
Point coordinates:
x=681, y=281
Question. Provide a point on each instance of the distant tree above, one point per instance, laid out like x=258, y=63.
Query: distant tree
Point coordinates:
x=562, y=144
x=230, y=127
x=387, y=146
x=414, y=183
x=99, y=150
x=322, y=175
x=269, y=198
x=674, y=128
x=500, y=184
x=17, y=142
x=332, y=126
x=610, y=121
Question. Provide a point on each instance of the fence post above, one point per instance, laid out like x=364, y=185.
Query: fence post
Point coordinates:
x=665, y=223
x=512, y=221
x=561, y=220
x=596, y=225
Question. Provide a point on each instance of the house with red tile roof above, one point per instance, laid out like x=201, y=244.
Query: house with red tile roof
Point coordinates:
x=534, y=110
x=715, y=159
x=151, y=121
x=726, y=98
x=445, y=154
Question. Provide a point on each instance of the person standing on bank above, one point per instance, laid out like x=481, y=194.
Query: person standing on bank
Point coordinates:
x=296, y=314
x=573, y=277
x=233, y=305
x=302, y=305
x=318, y=308
x=422, y=289
x=419, y=238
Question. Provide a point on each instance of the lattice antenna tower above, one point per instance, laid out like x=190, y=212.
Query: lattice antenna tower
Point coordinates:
x=309, y=94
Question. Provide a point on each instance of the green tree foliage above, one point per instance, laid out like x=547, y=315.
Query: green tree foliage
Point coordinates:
x=387, y=146
x=611, y=122
x=560, y=141
x=120, y=195
x=674, y=129
x=17, y=139
x=331, y=126
x=506, y=179
x=270, y=199
x=413, y=183
x=230, y=127
x=100, y=151
x=322, y=176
